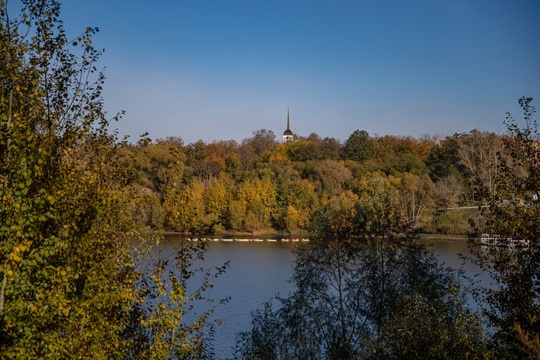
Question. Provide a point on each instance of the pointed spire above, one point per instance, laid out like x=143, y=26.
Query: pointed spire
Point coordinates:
x=288, y=126
x=288, y=134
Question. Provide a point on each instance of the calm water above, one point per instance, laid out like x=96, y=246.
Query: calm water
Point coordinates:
x=260, y=270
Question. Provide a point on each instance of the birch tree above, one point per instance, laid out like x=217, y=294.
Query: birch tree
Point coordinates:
x=479, y=152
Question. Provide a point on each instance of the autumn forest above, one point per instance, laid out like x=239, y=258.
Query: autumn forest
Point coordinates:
x=261, y=185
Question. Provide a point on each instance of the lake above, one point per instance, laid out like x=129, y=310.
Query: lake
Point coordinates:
x=260, y=270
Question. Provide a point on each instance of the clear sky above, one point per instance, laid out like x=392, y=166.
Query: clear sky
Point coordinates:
x=221, y=69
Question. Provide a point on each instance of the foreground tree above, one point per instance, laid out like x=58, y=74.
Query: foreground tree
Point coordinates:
x=514, y=305
x=60, y=254
x=72, y=285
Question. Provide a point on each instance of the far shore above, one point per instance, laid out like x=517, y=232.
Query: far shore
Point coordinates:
x=268, y=233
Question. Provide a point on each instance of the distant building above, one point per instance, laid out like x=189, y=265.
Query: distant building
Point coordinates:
x=288, y=135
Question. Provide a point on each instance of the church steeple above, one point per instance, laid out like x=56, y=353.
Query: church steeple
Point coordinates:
x=288, y=134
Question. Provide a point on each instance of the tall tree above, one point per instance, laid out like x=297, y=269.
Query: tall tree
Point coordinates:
x=415, y=198
x=160, y=166
x=63, y=289
x=71, y=283
x=443, y=159
x=330, y=148
x=448, y=191
x=480, y=153
x=514, y=305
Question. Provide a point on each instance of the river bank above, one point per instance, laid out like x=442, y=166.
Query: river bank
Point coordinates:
x=280, y=235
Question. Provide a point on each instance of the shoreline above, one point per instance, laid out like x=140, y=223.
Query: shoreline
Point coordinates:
x=435, y=237
x=428, y=237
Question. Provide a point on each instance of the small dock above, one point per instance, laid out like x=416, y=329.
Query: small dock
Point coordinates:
x=497, y=240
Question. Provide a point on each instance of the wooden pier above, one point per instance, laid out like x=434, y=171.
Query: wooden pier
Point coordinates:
x=502, y=241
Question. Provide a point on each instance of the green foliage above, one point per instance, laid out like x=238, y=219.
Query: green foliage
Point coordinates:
x=65, y=272
x=404, y=163
x=304, y=150
x=71, y=281
x=143, y=208
x=453, y=222
x=185, y=210
x=330, y=148
x=397, y=145
x=378, y=211
x=296, y=203
x=358, y=147
x=338, y=217
x=160, y=166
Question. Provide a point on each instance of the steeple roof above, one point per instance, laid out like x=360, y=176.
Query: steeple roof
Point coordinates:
x=288, y=131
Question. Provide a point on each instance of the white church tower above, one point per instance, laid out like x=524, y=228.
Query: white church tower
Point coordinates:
x=288, y=134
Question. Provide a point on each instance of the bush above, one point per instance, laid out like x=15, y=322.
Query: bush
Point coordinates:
x=453, y=222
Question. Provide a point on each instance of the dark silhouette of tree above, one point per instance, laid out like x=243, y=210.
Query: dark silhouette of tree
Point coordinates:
x=513, y=307
x=361, y=296
x=443, y=159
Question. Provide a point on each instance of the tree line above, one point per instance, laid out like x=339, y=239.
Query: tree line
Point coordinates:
x=262, y=185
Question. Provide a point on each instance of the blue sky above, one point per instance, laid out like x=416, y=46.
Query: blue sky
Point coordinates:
x=219, y=70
